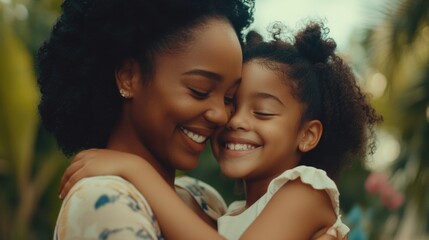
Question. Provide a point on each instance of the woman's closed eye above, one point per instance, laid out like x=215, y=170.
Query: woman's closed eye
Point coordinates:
x=199, y=94
x=229, y=100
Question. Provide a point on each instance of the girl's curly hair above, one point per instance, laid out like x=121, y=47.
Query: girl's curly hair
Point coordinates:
x=328, y=88
x=80, y=102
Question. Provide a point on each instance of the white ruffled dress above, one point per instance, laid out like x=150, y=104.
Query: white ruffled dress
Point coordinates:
x=237, y=219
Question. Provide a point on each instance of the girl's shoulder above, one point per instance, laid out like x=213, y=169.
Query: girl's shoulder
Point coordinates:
x=314, y=177
x=312, y=190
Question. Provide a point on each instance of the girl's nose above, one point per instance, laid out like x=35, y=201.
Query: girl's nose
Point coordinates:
x=238, y=121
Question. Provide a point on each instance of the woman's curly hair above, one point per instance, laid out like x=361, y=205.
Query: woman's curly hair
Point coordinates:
x=80, y=102
x=328, y=88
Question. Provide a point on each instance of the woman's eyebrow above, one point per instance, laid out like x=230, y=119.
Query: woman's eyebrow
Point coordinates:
x=204, y=73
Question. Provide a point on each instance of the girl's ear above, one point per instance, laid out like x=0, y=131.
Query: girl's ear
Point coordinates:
x=127, y=78
x=312, y=132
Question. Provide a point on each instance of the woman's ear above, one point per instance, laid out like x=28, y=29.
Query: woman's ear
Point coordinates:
x=311, y=134
x=127, y=78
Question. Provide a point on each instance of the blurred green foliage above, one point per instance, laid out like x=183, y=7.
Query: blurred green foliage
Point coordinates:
x=31, y=165
x=399, y=49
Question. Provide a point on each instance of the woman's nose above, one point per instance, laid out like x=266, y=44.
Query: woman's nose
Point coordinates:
x=218, y=113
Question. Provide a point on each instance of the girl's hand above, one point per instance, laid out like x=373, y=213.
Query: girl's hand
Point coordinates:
x=97, y=162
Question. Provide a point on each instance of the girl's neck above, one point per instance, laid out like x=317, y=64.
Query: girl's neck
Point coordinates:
x=255, y=189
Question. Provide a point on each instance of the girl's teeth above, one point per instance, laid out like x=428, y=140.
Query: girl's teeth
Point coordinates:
x=239, y=147
x=195, y=137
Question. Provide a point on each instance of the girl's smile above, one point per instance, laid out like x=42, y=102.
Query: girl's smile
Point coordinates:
x=237, y=145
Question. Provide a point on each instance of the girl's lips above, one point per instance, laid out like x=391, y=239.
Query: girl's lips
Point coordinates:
x=231, y=142
x=238, y=146
x=238, y=150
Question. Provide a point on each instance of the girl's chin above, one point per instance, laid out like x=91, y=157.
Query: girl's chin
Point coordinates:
x=233, y=171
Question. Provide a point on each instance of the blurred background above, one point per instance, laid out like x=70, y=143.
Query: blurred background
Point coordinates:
x=386, y=43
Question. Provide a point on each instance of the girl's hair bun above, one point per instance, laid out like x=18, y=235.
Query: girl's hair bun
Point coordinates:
x=253, y=38
x=312, y=44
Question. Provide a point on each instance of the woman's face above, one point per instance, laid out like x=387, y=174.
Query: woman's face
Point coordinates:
x=189, y=97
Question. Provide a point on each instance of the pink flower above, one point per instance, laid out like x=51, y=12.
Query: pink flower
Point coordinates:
x=374, y=182
x=377, y=183
x=387, y=193
x=396, y=201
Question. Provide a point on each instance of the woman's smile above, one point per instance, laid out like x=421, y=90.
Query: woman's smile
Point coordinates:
x=194, y=136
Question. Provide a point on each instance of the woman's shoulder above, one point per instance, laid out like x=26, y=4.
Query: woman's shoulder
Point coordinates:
x=99, y=186
x=114, y=183
x=102, y=191
x=96, y=205
x=207, y=197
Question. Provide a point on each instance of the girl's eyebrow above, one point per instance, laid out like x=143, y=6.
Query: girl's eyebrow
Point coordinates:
x=263, y=95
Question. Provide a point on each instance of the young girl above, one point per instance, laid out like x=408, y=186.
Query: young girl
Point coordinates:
x=298, y=110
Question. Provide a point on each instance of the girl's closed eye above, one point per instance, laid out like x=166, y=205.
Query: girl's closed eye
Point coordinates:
x=263, y=114
x=266, y=109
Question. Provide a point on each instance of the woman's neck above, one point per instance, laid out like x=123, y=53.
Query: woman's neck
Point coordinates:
x=168, y=174
x=125, y=141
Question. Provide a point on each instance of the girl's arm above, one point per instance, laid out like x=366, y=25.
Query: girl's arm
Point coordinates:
x=296, y=211
x=177, y=221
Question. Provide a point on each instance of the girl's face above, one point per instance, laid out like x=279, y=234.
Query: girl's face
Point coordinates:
x=261, y=139
x=188, y=98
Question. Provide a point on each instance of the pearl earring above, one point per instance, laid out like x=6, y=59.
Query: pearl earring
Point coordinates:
x=124, y=93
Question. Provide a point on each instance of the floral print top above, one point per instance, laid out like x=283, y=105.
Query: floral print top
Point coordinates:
x=109, y=207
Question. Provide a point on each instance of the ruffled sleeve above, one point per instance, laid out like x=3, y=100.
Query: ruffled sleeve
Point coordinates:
x=316, y=178
x=205, y=195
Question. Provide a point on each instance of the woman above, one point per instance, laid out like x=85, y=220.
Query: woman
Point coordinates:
x=153, y=78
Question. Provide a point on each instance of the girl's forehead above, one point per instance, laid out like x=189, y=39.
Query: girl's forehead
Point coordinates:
x=266, y=77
